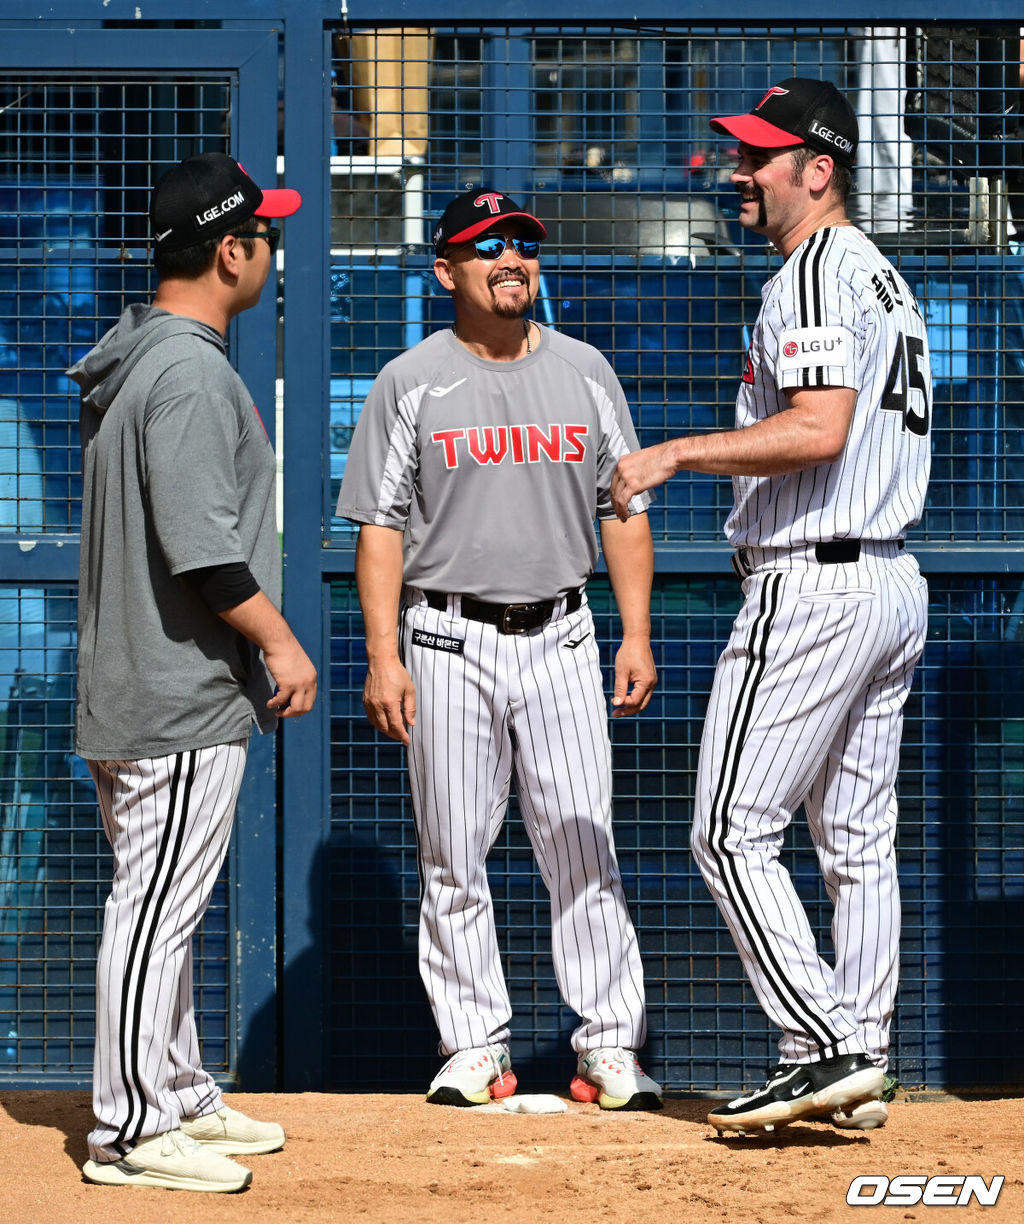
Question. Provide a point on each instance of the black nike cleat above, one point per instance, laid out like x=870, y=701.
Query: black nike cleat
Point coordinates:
x=799, y=1090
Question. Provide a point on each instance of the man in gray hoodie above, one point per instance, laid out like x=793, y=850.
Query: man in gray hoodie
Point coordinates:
x=178, y=596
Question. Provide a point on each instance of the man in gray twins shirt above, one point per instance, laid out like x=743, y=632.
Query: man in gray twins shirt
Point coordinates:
x=179, y=587
x=478, y=466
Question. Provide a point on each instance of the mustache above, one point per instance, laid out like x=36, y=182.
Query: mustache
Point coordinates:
x=508, y=274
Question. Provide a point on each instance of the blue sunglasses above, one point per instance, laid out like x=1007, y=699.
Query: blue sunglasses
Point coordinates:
x=492, y=246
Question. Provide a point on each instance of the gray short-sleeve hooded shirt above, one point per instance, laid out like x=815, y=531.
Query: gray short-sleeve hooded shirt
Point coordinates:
x=178, y=474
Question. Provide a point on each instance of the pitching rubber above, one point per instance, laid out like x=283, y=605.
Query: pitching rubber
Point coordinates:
x=536, y=1103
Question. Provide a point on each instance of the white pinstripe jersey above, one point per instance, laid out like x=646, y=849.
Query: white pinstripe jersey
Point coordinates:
x=838, y=314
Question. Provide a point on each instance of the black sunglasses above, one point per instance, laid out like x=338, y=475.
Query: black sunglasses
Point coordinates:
x=272, y=235
x=492, y=246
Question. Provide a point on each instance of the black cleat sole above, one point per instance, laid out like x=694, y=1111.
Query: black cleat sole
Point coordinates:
x=639, y=1101
x=451, y=1096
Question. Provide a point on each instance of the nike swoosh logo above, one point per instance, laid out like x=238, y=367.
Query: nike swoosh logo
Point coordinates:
x=571, y=645
x=437, y=392
x=773, y=1085
x=800, y=1089
x=161, y=237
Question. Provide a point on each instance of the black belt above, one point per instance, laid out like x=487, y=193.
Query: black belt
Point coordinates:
x=839, y=552
x=507, y=618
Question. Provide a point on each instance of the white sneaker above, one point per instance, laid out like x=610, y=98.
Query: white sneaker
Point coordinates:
x=230, y=1132
x=868, y=1115
x=613, y=1078
x=473, y=1077
x=172, y=1161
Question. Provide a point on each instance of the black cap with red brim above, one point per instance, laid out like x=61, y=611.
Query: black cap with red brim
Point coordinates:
x=798, y=111
x=206, y=196
x=474, y=212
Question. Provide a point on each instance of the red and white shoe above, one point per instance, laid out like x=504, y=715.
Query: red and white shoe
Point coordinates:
x=613, y=1078
x=474, y=1077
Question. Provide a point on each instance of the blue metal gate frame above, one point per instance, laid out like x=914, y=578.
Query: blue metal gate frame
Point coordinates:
x=248, y=53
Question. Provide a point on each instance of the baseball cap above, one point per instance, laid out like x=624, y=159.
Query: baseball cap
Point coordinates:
x=798, y=111
x=206, y=196
x=475, y=211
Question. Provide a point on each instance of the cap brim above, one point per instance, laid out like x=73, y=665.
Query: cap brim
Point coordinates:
x=279, y=202
x=754, y=131
x=479, y=227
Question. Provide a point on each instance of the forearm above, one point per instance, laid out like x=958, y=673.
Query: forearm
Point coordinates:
x=786, y=442
x=379, y=565
x=811, y=431
x=291, y=668
x=257, y=619
x=389, y=696
x=629, y=555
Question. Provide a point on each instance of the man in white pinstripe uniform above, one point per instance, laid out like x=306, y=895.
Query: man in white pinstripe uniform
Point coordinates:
x=830, y=459
x=178, y=594
x=480, y=460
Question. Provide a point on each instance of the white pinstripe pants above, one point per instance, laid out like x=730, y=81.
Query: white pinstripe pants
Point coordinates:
x=531, y=706
x=168, y=820
x=807, y=707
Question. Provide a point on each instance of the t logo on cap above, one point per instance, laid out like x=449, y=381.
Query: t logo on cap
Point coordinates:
x=798, y=111
x=775, y=90
x=461, y=220
x=491, y=199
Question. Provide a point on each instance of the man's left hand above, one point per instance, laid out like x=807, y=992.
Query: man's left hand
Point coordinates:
x=635, y=677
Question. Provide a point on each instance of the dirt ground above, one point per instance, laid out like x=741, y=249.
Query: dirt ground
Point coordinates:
x=394, y=1159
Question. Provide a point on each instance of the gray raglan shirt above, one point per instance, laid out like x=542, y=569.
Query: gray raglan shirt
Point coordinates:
x=178, y=473
x=494, y=471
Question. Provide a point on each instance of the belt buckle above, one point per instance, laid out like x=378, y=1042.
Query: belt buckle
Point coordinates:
x=511, y=611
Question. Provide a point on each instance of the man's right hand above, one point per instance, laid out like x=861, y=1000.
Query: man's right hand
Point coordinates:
x=295, y=677
x=289, y=665
x=389, y=698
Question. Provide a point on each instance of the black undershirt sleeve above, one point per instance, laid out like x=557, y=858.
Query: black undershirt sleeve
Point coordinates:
x=222, y=586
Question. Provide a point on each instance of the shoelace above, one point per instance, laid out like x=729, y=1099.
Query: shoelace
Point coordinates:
x=177, y=1140
x=620, y=1056
x=496, y=1060
x=464, y=1057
